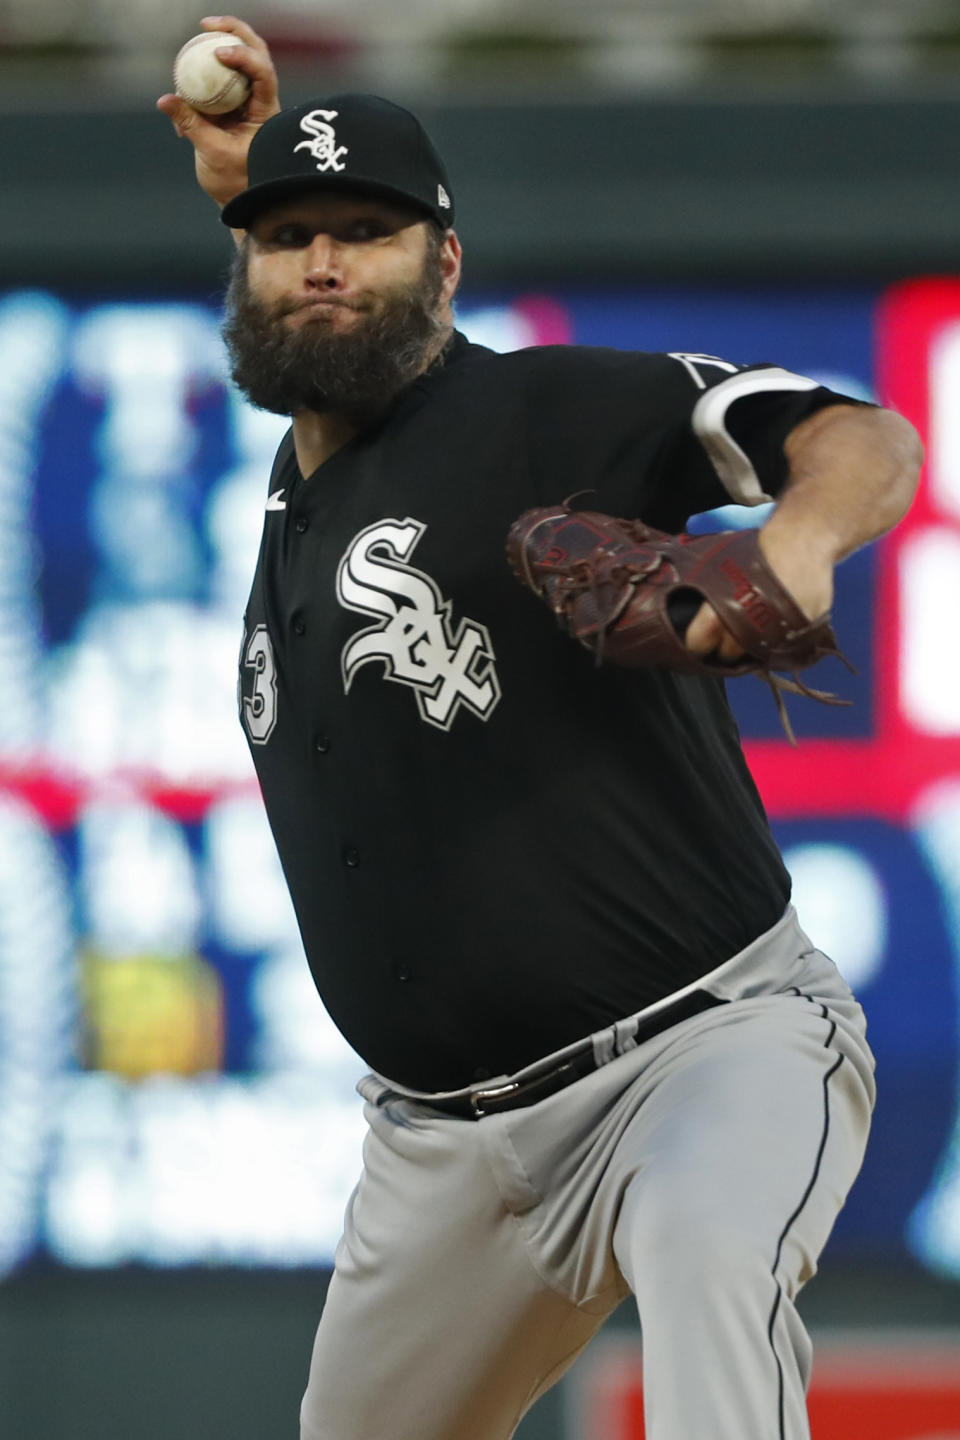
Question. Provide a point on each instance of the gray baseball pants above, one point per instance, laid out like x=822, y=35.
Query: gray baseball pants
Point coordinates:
x=701, y=1170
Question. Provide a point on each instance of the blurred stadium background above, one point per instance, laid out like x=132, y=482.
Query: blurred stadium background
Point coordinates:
x=760, y=179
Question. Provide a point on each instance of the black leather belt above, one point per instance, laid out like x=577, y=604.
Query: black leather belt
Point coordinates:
x=514, y=1094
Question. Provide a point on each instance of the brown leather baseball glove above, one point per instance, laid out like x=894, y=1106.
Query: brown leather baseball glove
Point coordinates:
x=627, y=592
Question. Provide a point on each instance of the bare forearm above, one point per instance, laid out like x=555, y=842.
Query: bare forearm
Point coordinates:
x=852, y=475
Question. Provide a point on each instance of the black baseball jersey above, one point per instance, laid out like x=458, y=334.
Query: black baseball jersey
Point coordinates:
x=494, y=846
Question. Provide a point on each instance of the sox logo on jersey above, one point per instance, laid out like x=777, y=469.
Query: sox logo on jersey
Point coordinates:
x=414, y=637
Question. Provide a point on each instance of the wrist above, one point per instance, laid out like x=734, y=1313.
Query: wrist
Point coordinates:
x=803, y=558
x=808, y=539
x=221, y=179
x=222, y=195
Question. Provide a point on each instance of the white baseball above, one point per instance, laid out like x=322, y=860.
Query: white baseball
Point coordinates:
x=203, y=80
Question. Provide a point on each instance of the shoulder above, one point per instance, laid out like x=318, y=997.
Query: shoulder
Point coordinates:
x=567, y=360
x=570, y=372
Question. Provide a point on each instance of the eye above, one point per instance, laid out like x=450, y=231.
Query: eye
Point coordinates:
x=291, y=234
x=368, y=228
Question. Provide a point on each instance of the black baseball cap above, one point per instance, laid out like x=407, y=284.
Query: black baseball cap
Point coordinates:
x=343, y=142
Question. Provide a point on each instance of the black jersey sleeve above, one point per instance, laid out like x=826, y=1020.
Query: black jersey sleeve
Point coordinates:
x=665, y=436
x=739, y=422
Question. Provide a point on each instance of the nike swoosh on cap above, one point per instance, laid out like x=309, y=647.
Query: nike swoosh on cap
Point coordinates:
x=274, y=502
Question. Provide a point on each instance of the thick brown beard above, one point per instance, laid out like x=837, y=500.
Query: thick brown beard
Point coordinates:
x=356, y=375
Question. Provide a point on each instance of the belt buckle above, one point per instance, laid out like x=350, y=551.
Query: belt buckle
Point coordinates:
x=479, y=1098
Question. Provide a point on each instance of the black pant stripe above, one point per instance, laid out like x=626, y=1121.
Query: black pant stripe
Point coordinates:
x=778, y=1295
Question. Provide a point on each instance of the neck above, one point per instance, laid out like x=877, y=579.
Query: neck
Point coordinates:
x=317, y=437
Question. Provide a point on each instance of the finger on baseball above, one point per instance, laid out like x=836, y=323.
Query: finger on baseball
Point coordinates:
x=233, y=26
x=258, y=67
x=189, y=123
x=256, y=64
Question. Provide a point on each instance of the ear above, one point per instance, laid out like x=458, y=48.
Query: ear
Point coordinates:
x=451, y=258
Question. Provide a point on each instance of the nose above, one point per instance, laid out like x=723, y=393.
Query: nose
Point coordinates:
x=324, y=263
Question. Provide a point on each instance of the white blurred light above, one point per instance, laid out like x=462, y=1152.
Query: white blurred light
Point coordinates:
x=146, y=539
x=499, y=327
x=843, y=383
x=935, y=818
x=142, y=360
x=88, y=1220
x=149, y=681
x=37, y=1012
x=152, y=689
x=137, y=880
x=944, y=463
x=294, y=1032
x=930, y=603
x=235, y=506
x=249, y=904
x=255, y=433
x=234, y=526
x=177, y=1172
x=842, y=907
x=33, y=330
x=934, y=1227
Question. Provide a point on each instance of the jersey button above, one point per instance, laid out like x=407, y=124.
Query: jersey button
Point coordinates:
x=322, y=744
x=403, y=972
x=351, y=857
x=299, y=626
x=302, y=524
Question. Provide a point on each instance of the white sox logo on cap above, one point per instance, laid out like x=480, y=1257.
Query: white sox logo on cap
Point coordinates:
x=323, y=144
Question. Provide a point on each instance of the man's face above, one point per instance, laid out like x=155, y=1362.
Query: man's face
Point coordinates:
x=337, y=302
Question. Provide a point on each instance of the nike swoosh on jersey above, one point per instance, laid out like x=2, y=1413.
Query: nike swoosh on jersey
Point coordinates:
x=274, y=502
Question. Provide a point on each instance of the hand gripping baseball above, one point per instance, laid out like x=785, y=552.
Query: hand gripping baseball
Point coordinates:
x=221, y=142
x=625, y=590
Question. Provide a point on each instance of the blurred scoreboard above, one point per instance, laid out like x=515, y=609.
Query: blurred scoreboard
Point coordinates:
x=171, y=1089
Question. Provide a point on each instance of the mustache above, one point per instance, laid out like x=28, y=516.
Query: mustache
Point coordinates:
x=292, y=307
